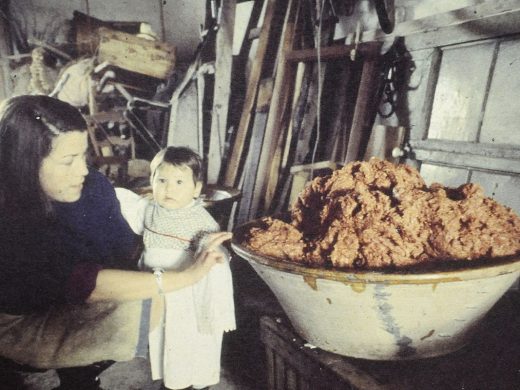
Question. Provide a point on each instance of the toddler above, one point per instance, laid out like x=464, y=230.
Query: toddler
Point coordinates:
x=187, y=325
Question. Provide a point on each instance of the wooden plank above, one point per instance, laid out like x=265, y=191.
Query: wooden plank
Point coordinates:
x=479, y=21
x=115, y=115
x=279, y=372
x=421, y=104
x=222, y=90
x=506, y=151
x=301, y=175
x=304, y=384
x=278, y=113
x=92, y=137
x=175, y=116
x=484, y=163
x=502, y=188
x=291, y=378
x=185, y=110
x=306, y=112
x=366, y=50
x=86, y=31
x=297, y=91
x=200, y=112
x=250, y=98
x=485, y=157
x=322, y=369
x=383, y=140
x=270, y=368
x=298, y=182
x=282, y=194
x=500, y=124
x=364, y=107
x=309, y=118
x=248, y=207
x=474, y=30
x=456, y=17
x=127, y=51
x=460, y=91
x=5, y=54
x=314, y=167
x=336, y=145
x=301, y=95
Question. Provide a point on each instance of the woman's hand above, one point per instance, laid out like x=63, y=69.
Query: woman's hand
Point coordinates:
x=121, y=285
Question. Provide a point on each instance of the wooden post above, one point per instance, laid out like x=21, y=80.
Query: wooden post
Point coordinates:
x=223, y=65
x=249, y=203
x=364, y=103
x=250, y=98
x=5, y=90
x=279, y=111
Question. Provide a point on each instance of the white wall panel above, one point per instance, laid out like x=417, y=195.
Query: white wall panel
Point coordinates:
x=447, y=176
x=460, y=92
x=183, y=19
x=501, y=118
x=128, y=11
x=45, y=19
x=503, y=188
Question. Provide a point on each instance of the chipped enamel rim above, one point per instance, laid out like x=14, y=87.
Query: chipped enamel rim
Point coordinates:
x=481, y=271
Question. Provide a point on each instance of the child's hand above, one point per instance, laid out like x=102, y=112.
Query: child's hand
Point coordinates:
x=214, y=240
x=210, y=255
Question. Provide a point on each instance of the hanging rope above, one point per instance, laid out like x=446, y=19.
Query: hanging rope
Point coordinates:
x=320, y=87
x=42, y=80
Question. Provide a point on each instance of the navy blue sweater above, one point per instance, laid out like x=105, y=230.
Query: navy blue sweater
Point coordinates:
x=56, y=261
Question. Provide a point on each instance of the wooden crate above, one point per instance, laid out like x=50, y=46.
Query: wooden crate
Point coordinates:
x=129, y=52
x=490, y=361
x=291, y=365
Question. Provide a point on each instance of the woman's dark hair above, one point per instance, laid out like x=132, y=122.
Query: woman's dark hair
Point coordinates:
x=28, y=125
x=178, y=156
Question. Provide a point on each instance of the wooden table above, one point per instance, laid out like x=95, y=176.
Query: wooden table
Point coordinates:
x=491, y=361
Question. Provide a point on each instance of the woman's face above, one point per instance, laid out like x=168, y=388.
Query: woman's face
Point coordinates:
x=63, y=171
x=173, y=186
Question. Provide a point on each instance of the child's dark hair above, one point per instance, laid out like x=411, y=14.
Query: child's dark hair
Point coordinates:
x=178, y=156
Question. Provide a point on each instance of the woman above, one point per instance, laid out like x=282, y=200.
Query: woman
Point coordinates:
x=68, y=296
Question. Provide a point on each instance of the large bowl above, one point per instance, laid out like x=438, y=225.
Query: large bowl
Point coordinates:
x=383, y=316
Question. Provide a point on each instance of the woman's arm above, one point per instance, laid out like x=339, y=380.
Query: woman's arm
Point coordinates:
x=133, y=285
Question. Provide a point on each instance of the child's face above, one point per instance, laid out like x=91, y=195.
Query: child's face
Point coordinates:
x=173, y=187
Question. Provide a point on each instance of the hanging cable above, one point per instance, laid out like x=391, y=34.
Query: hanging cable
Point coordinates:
x=320, y=87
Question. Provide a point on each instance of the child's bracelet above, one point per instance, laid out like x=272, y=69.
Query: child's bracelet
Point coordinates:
x=157, y=272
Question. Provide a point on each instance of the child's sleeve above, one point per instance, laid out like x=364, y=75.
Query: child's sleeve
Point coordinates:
x=133, y=208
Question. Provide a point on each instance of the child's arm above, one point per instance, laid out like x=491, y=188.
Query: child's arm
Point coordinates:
x=133, y=208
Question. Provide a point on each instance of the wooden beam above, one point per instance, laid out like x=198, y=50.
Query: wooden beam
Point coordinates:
x=127, y=51
x=222, y=90
x=281, y=100
x=466, y=161
x=505, y=151
x=116, y=115
x=367, y=50
x=233, y=168
x=249, y=203
x=486, y=19
x=333, y=165
x=295, y=128
x=473, y=13
x=364, y=106
x=316, y=367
